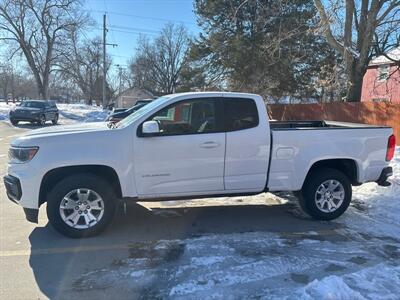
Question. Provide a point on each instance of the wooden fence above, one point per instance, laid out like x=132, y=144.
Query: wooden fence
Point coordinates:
x=361, y=112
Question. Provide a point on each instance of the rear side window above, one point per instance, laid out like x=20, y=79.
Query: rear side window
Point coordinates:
x=240, y=114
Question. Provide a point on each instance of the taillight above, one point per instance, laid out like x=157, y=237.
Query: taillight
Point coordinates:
x=390, y=147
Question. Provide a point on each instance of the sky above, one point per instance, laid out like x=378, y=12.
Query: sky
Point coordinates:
x=127, y=19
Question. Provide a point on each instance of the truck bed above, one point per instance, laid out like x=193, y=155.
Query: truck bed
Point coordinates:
x=295, y=144
x=321, y=124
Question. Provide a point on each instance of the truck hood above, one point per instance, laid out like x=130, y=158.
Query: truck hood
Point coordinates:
x=66, y=129
x=61, y=133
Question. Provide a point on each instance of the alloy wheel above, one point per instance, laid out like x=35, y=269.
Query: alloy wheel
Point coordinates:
x=329, y=196
x=82, y=208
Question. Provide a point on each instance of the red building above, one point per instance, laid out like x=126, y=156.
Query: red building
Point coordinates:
x=382, y=79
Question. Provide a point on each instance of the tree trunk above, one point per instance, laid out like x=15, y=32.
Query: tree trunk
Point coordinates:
x=355, y=83
x=43, y=93
x=43, y=90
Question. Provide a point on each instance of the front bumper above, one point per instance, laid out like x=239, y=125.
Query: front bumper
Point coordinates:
x=27, y=118
x=385, y=174
x=13, y=188
x=14, y=193
x=31, y=215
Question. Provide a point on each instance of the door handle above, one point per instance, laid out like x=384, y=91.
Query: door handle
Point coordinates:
x=209, y=144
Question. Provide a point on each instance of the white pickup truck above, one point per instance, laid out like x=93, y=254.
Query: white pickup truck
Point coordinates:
x=192, y=145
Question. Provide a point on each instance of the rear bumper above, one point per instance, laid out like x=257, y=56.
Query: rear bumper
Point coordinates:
x=385, y=174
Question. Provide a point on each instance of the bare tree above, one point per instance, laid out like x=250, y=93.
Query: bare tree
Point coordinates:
x=370, y=28
x=82, y=63
x=6, y=81
x=38, y=28
x=158, y=63
x=16, y=83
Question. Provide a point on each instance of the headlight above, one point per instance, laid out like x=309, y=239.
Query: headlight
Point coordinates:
x=19, y=155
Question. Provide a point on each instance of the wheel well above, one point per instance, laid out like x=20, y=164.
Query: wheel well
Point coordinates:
x=346, y=166
x=55, y=175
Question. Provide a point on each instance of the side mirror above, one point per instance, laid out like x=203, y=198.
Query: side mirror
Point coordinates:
x=150, y=128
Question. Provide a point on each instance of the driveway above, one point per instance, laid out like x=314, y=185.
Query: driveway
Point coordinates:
x=242, y=247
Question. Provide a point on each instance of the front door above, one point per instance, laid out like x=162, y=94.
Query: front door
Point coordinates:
x=187, y=156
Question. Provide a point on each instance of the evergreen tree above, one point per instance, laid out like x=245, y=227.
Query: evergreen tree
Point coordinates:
x=261, y=46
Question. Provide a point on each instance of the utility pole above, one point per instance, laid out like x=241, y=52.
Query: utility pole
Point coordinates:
x=120, y=78
x=104, y=59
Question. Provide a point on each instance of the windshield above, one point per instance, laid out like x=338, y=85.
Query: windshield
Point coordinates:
x=143, y=110
x=33, y=104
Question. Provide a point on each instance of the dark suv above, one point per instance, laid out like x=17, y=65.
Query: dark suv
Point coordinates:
x=35, y=111
x=119, y=113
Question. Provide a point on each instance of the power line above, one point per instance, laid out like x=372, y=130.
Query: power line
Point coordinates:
x=112, y=35
x=122, y=56
x=132, y=31
x=144, y=17
x=135, y=29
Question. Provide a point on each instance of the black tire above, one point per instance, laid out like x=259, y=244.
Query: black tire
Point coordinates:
x=81, y=181
x=307, y=197
x=14, y=122
x=42, y=120
x=55, y=120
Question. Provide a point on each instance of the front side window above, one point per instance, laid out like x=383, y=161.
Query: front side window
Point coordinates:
x=188, y=117
x=240, y=114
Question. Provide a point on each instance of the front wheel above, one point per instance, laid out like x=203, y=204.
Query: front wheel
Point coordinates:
x=14, y=122
x=42, y=120
x=326, y=194
x=81, y=206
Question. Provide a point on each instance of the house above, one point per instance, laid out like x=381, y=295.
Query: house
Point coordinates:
x=382, y=79
x=129, y=97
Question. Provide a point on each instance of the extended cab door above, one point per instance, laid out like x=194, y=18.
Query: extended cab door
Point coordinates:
x=247, y=144
x=187, y=156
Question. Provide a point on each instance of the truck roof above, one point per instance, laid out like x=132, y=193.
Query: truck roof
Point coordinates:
x=215, y=93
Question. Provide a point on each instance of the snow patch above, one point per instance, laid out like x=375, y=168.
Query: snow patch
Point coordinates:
x=206, y=261
x=5, y=109
x=378, y=282
x=72, y=113
x=329, y=288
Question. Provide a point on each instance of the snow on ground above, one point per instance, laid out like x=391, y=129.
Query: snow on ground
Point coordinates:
x=69, y=113
x=375, y=210
x=358, y=260
x=4, y=110
x=72, y=113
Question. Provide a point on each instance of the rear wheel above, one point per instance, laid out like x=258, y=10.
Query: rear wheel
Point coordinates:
x=55, y=120
x=326, y=194
x=81, y=205
x=14, y=122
